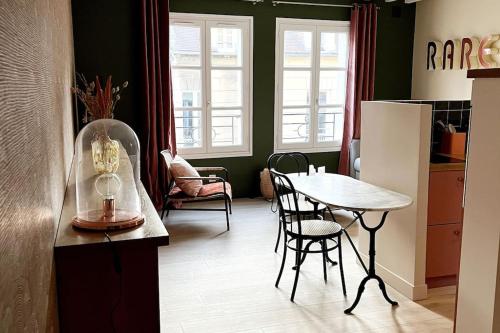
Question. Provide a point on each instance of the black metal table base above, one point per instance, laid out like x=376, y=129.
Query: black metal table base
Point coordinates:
x=371, y=268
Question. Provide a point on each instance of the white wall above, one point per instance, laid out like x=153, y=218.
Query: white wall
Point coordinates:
x=443, y=20
x=396, y=150
x=480, y=239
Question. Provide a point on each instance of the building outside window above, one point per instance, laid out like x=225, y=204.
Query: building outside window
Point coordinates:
x=211, y=57
x=311, y=71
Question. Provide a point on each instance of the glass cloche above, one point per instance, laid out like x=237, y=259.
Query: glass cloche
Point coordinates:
x=107, y=176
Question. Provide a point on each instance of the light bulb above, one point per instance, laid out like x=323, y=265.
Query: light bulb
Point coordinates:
x=108, y=185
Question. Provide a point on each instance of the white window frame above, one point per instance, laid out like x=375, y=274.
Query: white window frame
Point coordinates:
x=315, y=26
x=205, y=21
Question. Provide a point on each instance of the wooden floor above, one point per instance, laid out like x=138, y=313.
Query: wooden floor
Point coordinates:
x=217, y=281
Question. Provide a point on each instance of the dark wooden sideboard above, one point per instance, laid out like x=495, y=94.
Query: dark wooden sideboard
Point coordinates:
x=108, y=285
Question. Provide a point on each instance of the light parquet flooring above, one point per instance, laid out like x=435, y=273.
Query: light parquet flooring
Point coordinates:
x=217, y=281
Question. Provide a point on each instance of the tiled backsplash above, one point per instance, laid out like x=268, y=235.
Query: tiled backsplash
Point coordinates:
x=451, y=112
x=456, y=113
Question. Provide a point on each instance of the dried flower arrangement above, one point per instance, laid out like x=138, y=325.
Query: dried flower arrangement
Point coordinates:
x=99, y=103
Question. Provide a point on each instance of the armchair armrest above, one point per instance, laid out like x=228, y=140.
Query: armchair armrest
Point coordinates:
x=210, y=169
x=202, y=178
x=216, y=168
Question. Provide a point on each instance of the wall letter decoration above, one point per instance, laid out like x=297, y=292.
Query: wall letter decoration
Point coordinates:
x=448, y=53
x=434, y=51
x=431, y=54
x=487, y=52
x=466, y=53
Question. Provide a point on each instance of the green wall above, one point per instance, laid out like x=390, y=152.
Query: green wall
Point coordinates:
x=118, y=53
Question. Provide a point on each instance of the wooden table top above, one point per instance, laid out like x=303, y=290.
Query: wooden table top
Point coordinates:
x=348, y=193
x=152, y=230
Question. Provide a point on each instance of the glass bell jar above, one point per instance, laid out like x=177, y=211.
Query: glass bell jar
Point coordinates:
x=107, y=176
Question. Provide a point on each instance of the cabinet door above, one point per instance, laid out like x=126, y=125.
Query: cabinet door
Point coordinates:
x=443, y=249
x=446, y=189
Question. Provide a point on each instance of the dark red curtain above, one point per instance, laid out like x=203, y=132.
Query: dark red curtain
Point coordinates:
x=158, y=127
x=360, y=75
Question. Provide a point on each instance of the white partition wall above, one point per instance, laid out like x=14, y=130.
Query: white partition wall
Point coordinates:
x=395, y=153
x=478, y=303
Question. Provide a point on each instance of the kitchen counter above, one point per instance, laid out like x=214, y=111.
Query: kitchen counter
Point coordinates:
x=446, y=162
x=447, y=167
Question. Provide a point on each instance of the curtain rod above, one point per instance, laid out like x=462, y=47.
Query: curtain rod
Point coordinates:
x=275, y=3
x=279, y=2
x=254, y=2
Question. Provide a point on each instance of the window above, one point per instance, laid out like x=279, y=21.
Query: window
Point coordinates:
x=212, y=80
x=311, y=72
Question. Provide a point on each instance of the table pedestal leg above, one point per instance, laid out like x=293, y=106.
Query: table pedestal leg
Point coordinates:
x=371, y=268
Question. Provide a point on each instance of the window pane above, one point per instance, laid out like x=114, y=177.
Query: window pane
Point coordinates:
x=338, y=132
x=188, y=129
x=185, y=45
x=330, y=124
x=226, y=46
x=297, y=49
x=296, y=88
x=226, y=128
x=295, y=125
x=227, y=88
x=186, y=87
x=333, y=49
x=331, y=87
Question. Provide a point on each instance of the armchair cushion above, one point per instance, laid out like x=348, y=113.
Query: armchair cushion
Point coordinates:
x=181, y=168
x=207, y=191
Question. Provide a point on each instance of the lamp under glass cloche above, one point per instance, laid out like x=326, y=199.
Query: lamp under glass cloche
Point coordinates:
x=107, y=176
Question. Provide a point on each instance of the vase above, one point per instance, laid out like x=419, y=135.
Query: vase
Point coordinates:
x=105, y=154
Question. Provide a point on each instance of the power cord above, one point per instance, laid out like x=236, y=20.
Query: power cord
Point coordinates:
x=118, y=269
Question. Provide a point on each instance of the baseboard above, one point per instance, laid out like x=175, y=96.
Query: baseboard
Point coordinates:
x=441, y=281
x=413, y=292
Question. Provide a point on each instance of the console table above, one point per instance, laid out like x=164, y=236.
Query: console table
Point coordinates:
x=108, y=282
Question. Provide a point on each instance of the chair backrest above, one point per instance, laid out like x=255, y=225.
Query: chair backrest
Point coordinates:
x=293, y=162
x=168, y=158
x=286, y=197
x=283, y=186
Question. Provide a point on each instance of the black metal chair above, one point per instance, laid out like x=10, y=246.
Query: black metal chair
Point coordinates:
x=295, y=162
x=301, y=231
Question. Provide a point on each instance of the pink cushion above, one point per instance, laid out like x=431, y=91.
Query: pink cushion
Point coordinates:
x=206, y=191
x=215, y=188
x=181, y=168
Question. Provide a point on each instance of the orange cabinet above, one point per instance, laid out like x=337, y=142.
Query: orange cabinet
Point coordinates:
x=446, y=189
x=443, y=250
x=444, y=226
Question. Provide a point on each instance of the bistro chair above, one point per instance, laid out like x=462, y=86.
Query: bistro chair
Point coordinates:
x=215, y=188
x=298, y=163
x=300, y=234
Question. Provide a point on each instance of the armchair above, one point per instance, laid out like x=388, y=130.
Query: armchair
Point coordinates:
x=354, y=157
x=214, y=188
